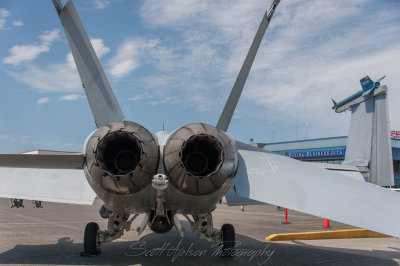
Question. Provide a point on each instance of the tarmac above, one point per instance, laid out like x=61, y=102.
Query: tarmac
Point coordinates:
x=54, y=236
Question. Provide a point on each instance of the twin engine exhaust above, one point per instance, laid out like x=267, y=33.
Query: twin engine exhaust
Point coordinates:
x=199, y=162
x=123, y=157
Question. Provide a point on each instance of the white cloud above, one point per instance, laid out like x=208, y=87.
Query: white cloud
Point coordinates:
x=100, y=4
x=17, y=23
x=208, y=36
x=169, y=100
x=43, y=100
x=302, y=67
x=48, y=36
x=4, y=13
x=173, y=12
x=59, y=77
x=54, y=145
x=127, y=56
x=53, y=78
x=142, y=96
x=72, y=97
x=4, y=137
x=313, y=50
x=22, y=53
x=21, y=139
x=99, y=47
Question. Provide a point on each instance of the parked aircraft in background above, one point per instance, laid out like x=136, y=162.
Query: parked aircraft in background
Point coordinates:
x=367, y=87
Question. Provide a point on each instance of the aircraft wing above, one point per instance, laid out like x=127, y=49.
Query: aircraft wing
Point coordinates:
x=346, y=170
x=300, y=186
x=22, y=176
x=74, y=161
x=233, y=199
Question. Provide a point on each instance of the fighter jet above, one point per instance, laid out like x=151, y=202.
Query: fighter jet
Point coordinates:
x=158, y=176
x=367, y=85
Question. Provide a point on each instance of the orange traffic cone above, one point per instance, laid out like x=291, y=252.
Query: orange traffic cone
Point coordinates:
x=326, y=224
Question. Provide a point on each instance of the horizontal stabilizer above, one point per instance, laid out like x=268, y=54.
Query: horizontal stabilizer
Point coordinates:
x=355, y=175
x=299, y=186
x=64, y=186
x=357, y=162
x=346, y=170
x=342, y=167
x=42, y=161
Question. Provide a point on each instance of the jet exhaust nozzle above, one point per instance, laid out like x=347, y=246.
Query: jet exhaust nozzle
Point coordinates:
x=202, y=155
x=121, y=158
x=119, y=153
x=199, y=159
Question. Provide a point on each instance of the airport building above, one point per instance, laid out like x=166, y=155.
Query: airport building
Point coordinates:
x=326, y=150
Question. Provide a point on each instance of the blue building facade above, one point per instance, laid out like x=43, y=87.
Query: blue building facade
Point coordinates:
x=325, y=150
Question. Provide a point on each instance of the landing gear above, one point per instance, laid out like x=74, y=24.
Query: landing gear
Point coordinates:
x=94, y=237
x=104, y=212
x=17, y=203
x=228, y=240
x=91, y=244
x=38, y=203
x=203, y=225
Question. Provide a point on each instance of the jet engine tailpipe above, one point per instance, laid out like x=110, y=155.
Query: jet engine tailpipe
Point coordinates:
x=121, y=159
x=202, y=155
x=119, y=153
x=200, y=159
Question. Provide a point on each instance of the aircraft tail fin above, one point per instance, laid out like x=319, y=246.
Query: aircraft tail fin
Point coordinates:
x=101, y=98
x=233, y=99
x=366, y=83
x=369, y=139
x=334, y=104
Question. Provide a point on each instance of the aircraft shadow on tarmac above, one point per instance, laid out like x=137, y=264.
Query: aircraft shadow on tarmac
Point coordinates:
x=170, y=249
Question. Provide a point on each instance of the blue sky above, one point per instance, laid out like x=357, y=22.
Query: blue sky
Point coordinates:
x=175, y=61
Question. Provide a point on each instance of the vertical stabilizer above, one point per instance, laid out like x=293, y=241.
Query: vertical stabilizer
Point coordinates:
x=366, y=83
x=369, y=143
x=381, y=163
x=101, y=98
x=359, y=142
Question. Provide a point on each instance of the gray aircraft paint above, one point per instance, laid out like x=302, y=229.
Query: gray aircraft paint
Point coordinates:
x=74, y=161
x=102, y=101
x=231, y=103
x=368, y=143
x=53, y=185
x=303, y=187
